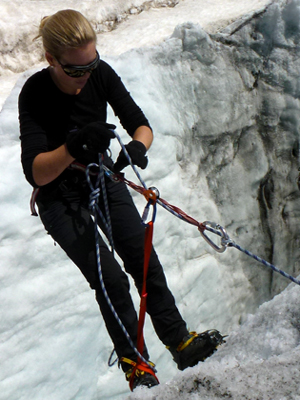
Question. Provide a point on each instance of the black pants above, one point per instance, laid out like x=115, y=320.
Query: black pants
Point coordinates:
x=65, y=216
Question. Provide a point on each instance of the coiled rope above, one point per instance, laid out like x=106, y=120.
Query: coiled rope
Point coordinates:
x=95, y=212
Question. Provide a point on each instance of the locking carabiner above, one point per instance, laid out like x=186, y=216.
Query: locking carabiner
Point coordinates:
x=218, y=230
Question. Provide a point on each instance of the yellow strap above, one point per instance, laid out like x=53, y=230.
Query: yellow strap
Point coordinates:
x=138, y=369
x=128, y=361
x=183, y=345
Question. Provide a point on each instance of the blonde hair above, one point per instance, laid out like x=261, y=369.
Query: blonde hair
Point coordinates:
x=63, y=30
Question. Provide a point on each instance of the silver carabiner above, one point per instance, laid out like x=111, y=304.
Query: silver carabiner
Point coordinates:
x=224, y=236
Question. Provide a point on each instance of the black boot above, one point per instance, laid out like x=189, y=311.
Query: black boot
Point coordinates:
x=140, y=374
x=196, y=347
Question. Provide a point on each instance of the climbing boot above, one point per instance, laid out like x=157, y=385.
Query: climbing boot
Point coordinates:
x=140, y=374
x=196, y=347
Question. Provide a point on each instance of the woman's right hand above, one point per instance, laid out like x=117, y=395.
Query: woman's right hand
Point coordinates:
x=93, y=138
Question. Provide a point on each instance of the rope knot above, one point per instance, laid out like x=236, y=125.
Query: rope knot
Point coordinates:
x=94, y=196
x=201, y=227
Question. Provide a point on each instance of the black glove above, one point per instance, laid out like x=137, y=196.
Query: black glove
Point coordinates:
x=137, y=151
x=93, y=138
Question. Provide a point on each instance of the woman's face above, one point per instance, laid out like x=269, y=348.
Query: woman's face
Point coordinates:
x=80, y=56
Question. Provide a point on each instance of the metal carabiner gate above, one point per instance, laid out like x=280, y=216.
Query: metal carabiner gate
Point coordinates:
x=218, y=230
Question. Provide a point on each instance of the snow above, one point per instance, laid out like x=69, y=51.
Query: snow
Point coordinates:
x=139, y=23
x=224, y=107
x=259, y=361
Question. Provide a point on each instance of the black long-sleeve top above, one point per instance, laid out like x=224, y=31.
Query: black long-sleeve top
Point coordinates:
x=47, y=115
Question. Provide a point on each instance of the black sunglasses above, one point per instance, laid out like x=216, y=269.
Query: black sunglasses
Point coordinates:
x=76, y=71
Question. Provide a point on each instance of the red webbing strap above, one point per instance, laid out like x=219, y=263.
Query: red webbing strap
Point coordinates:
x=187, y=218
x=142, y=367
x=143, y=303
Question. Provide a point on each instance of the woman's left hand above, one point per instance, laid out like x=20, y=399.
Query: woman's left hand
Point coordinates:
x=137, y=152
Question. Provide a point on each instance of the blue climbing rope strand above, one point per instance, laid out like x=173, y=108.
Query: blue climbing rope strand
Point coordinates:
x=95, y=211
x=129, y=160
x=230, y=243
x=101, y=181
x=93, y=202
x=264, y=262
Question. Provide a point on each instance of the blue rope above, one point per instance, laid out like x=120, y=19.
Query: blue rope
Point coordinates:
x=129, y=160
x=264, y=262
x=231, y=243
x=94, y=197
x=95, y=211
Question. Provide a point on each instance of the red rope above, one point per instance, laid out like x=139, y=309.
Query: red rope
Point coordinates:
x=185, y=216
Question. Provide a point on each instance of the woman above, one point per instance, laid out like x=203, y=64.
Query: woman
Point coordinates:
x=62, y=112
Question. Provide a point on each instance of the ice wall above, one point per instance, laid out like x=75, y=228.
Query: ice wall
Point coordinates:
x=234, y=107
x=18, y=50
x=224, y=109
